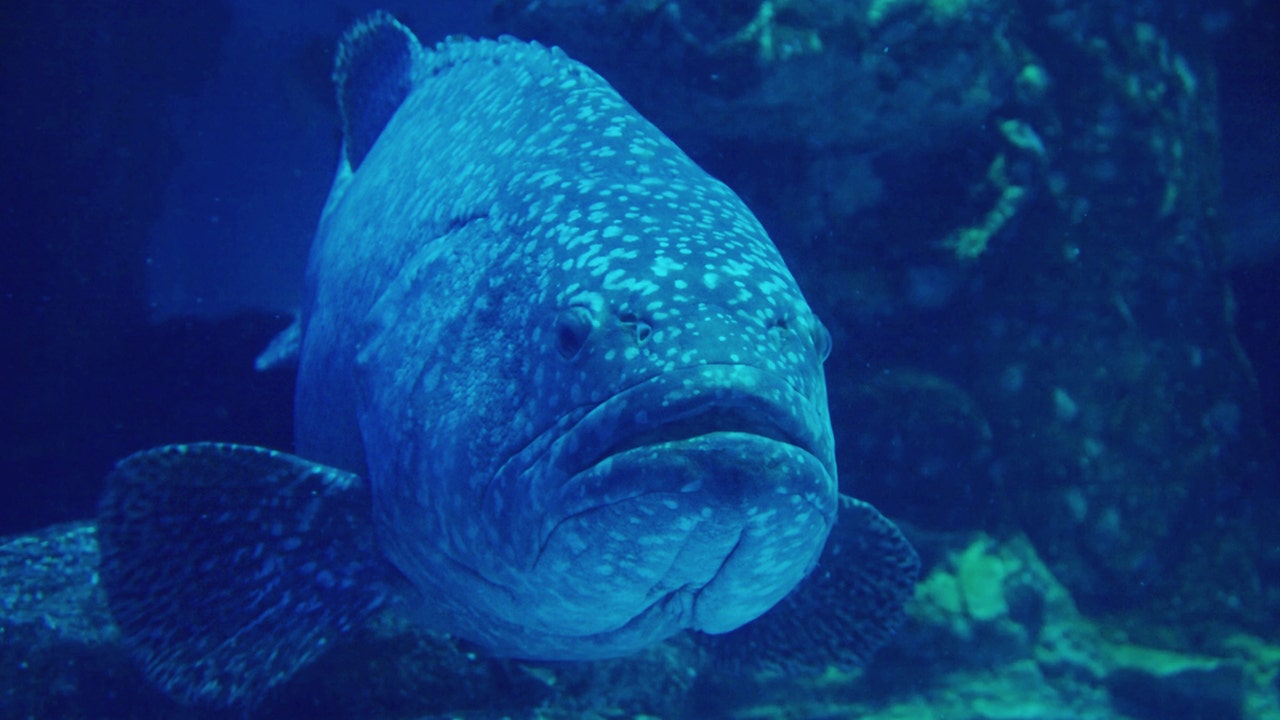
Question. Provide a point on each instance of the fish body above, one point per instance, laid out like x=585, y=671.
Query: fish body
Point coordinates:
x=557, y=395
x=509, y=294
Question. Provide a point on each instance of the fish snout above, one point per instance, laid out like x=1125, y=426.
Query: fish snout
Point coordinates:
x=696, y=499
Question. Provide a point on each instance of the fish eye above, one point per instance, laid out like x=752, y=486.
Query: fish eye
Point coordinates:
x=821, y=340
x=573, y=327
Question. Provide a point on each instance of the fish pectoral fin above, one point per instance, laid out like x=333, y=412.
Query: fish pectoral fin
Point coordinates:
x=284, y=349
x=845, y=610
x=374, y=74
x=229, y=567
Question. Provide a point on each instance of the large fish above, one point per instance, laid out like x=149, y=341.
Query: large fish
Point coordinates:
x=558, y=395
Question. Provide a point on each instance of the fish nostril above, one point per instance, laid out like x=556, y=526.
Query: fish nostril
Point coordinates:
x=779, y=330
x=573, y=327
x=643, y=332
x=639, y=327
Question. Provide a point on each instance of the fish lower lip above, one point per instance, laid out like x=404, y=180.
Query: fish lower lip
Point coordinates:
x=725, y=526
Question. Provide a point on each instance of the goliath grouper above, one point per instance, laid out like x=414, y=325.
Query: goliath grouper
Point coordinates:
x=557, y=396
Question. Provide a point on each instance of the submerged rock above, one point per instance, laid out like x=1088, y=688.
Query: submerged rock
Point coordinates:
x=991, y=633
x=60, y=657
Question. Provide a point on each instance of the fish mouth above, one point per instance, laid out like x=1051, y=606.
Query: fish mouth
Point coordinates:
x=648, y=439
x=684, y=528
x=566, y=470
x=701, y=422
x=703, y=493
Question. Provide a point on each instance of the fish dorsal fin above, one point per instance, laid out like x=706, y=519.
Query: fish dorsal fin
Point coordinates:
x=373, y=74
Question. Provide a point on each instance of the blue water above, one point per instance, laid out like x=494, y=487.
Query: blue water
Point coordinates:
x=164, y=165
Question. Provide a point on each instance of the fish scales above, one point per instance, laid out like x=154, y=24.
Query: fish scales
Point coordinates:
x=559, y=373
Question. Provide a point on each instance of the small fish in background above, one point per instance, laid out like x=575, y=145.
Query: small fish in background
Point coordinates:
x=557, y=395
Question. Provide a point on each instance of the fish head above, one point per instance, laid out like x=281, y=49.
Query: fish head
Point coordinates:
x=618, y=449
x=593, y=403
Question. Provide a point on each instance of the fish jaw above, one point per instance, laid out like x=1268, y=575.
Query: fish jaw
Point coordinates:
x=696, y=499
x=744, y=528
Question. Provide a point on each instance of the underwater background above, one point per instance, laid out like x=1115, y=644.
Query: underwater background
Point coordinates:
x=1045, y=236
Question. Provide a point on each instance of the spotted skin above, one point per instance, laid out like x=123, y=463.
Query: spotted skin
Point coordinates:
x=512, y=204
x=558, y=373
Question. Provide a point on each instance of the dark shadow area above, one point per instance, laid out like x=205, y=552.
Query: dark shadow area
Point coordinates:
x=88, y=150
x=1248, y=59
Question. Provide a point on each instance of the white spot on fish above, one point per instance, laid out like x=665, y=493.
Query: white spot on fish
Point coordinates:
x=662, y=265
